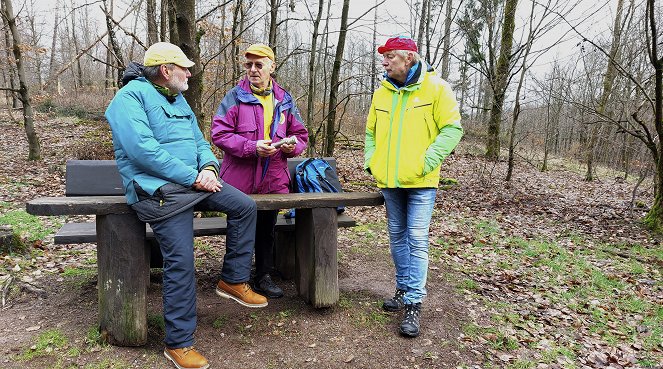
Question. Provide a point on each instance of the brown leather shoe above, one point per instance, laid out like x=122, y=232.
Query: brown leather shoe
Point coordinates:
x=242, y=293
x=186, y=358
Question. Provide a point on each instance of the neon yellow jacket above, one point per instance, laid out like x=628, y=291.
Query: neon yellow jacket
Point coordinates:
x=410, y=131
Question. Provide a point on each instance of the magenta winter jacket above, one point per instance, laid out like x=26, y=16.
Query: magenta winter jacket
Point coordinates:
x=236, y=127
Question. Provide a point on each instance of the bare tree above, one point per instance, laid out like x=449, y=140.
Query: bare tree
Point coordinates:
x=536, y=27
x=422, y=22
x=51, y=62
x=446, y=55
x=311, y=79
x=334, y=85
x=516, y=108
x=116, y=54
x=11, y=71
x=273, y=22
x=499, y=82
x=608, y=81
x=654, y=218
x=34, y=148
x=163, y=20
x=152, y=31
x=188, y=40
x=238, y=16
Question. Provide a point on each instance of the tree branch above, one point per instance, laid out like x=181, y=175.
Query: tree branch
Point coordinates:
x=202, y=17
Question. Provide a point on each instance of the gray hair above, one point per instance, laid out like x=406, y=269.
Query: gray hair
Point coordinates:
x=152, y=73
x=415, y=55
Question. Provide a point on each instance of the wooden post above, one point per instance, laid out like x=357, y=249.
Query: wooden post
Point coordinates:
x=123, y=263
x=317, y=267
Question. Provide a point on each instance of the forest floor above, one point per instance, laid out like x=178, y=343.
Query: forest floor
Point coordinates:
x=548, y=271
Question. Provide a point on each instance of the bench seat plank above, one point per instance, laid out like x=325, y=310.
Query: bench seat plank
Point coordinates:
x=87, y=232
x=101, y=205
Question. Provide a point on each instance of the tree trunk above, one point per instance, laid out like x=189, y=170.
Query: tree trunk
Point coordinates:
x=78, y=73
x=273, y=23
x=500, y=81
x=446, y=52
x=34, y=149
x=236, y=28
x=38, y=55
x=152, y=31
x=516, y=109
x=654, y=218
x=340, y=47
x=109, y=81
x=608, y=81
x=374, y=69
x=422, y=24
x=163, y=20
x=51, y=62
x=11, y=71
x=185, y=12
x=173, y=35
x=310, y=109
x=114, y=45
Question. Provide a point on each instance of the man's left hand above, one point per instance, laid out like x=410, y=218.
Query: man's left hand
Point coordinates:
x=207, y=181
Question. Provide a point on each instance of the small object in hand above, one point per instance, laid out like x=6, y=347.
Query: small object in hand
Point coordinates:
x=288, y=140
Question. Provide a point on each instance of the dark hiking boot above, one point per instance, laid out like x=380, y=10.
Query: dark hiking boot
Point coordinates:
x=410, y=324
x=266, y=287
x=395, y=303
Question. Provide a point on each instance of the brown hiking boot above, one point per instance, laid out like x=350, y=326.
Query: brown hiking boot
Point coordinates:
x=242, y=293
x=186, y=358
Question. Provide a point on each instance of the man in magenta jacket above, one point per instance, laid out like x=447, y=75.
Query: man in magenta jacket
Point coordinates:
x=253, y=115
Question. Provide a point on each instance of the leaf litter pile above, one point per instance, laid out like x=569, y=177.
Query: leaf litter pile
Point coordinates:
x=553, y=271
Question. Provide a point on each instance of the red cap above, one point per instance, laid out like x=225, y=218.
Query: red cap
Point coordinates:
x=398, y=43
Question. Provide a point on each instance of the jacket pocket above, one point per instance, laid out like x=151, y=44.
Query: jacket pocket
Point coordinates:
x=177, y=124
x=411, y=168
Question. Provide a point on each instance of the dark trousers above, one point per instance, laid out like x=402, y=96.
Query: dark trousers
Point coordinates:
x=175, y=237
x=265, y=242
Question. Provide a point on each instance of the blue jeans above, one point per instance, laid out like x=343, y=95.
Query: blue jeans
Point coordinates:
x=175, y=236
x=409, y=212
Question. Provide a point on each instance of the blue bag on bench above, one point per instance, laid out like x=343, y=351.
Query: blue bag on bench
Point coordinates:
x=315, y=175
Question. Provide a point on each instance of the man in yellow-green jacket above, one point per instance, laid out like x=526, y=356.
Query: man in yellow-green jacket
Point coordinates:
x=412, y=125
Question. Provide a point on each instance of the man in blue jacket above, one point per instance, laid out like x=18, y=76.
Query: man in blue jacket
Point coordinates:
x=168, y=171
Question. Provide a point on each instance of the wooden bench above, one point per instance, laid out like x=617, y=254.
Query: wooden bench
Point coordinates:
x=101, y=178
x=123, y=259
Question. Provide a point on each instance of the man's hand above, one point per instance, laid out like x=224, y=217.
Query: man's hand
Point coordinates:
x=287, y=148
x=207, y=181
x=264, y=148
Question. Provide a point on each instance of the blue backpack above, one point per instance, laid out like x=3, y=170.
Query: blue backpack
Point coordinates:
x=315, y=175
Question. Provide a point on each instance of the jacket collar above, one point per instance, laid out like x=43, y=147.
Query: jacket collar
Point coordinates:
x=245, y=95
x=414, y=80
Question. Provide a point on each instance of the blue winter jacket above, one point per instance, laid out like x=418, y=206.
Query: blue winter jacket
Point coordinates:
x=156, y=142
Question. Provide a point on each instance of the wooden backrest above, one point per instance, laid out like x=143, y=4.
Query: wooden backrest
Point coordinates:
x=101, y=177
x=92, y=178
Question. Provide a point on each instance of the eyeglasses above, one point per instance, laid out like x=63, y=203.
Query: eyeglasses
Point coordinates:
x=249, y=65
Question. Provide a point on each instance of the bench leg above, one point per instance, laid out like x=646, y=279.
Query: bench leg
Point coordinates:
x=123, y=263
x=317, y=264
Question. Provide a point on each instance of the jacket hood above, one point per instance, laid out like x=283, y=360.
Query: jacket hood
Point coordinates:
x=134, y=70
